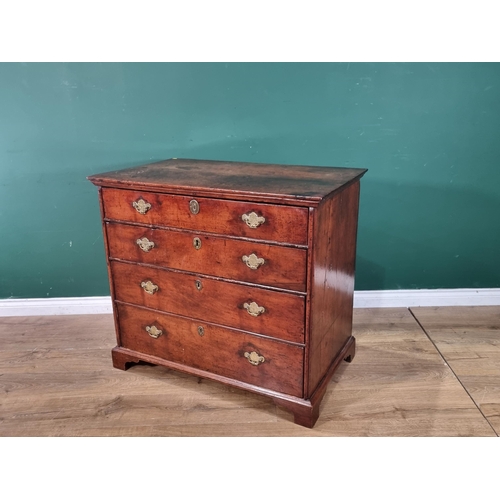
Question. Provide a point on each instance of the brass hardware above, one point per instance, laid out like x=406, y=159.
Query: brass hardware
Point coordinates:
x=254, y=309
x=154, y=332
x=141, y=206
x=145, y=245
x=149, y=287
x=254, y=358
x=253, y=220
x=197, y=243
x=198, y=285
x=201, y=331
x=252, y=261
x=194, y=207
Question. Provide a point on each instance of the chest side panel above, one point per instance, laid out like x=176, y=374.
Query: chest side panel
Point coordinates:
x=332, y=283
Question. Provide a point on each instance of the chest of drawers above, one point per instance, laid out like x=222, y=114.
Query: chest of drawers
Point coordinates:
x=238, y=272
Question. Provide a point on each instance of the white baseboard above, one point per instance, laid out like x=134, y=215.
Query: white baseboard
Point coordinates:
x=428, y=298
x=362, y=299
x=55, y=306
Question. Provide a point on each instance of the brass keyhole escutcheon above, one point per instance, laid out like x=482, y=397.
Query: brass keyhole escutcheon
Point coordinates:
x=201, y=331
x=198, y=284
x=194, y=207
x=197, y=243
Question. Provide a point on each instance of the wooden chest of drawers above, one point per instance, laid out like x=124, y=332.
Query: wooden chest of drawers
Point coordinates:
x=238, y=272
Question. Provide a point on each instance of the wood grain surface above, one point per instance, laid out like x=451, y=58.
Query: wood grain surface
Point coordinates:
x=217, y=350
x=283, y=267
x=332, y=284
x=214, y=216
x=469, y=340
x=285, y=184
x=57, y=379
x=212, y=300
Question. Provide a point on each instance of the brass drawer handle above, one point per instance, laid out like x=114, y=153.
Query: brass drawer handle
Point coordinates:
x=145, y=245
x=149, y=287
x=141, y=206
x=253, y=220
x=252, y=261
x=254, y=358
x=254, y=309
x=154, y=332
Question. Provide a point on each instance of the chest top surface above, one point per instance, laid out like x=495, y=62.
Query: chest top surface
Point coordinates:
x=287, y=184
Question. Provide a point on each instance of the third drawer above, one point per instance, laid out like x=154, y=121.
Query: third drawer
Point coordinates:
x=267, y=312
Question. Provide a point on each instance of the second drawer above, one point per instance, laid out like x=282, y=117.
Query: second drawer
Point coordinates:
x=240, y=260
x=277, y=314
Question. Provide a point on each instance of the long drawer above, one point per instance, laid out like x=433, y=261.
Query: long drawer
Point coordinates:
x=277, y=314
x=255, y=360
x=240, y=260
x=251, y=220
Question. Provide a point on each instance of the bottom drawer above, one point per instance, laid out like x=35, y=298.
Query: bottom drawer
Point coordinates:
x=259, y=361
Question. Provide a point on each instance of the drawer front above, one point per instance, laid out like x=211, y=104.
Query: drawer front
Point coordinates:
x=262, y=362
x=241, y=260
x=251, y=220
x=277, y=314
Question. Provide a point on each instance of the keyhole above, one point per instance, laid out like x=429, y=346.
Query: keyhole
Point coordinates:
x=197, y=243
x=201, y=331
x=198, y=285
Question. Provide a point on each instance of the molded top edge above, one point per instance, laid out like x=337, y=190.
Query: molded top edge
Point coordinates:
x=288, y=184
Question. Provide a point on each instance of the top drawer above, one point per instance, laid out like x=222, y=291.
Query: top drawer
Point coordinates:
x=277, y=223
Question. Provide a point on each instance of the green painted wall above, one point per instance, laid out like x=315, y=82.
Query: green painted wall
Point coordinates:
x=428, y=133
